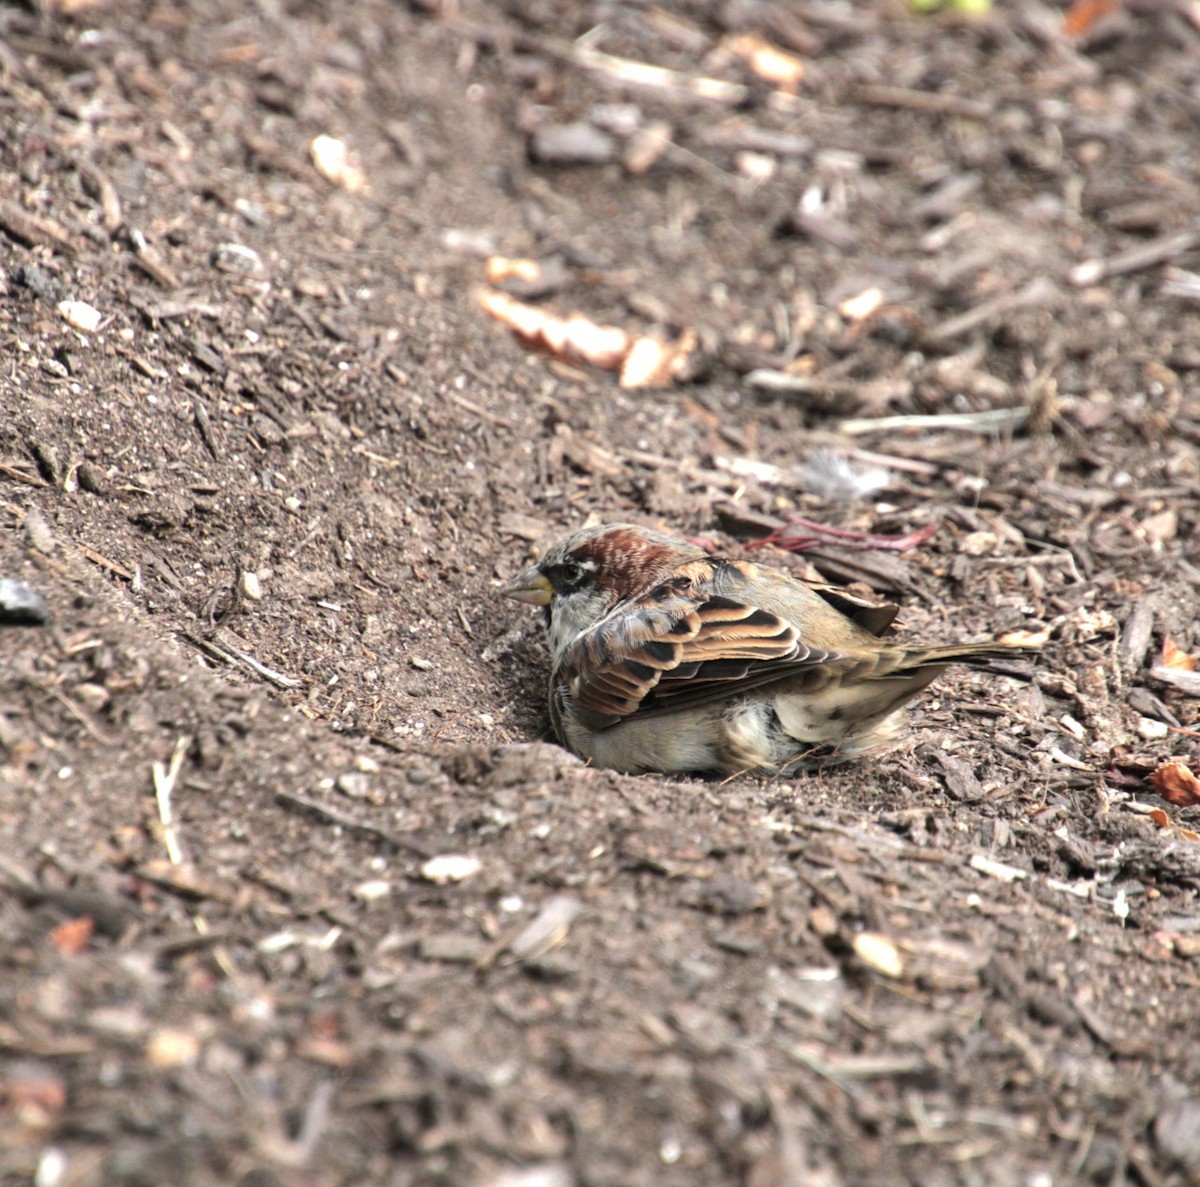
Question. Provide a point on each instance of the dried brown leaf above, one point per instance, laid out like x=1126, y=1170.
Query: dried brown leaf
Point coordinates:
x=1083, y=15
x=654, y=363
x=1173, y=656
x=573, y=339
x=770, y=63
x=72, y=937
x=1175, y=782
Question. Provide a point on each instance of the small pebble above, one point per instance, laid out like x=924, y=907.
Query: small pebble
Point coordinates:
x=354, y=784
x=172, y=1048
x=237, y=259
x=451, y=867
x=370, y=891
x=21, y=605
x=579, y=143
x=81, y=315
x=337, y=163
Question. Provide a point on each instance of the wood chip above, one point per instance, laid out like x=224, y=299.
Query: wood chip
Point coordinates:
x=879, y=953
x=578, y=143
x=933, y=102
x=770, y=63
x=547, y=929
x=1178, y=678
x=34, y=230
x=84, y=317
x=336, y=162
x=997, y=869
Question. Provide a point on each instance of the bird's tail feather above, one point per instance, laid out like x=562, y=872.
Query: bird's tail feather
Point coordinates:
x=979, y=655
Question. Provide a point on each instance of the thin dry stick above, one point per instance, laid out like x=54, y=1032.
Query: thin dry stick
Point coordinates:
x=164, y=785
x=995, y=420
x=660, y=78
x=1039, y=291
x=928, y=101
x=1135, y=259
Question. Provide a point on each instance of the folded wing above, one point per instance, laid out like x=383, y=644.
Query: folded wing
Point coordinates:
x=676, y=646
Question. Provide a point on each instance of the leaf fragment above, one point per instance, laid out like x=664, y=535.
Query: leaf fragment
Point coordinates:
x=1176, y=783
x=1173, y=656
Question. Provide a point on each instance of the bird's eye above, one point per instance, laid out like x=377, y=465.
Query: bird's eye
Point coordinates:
x=567, y=576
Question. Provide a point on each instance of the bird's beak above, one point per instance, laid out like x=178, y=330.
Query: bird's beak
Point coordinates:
x=530, y=586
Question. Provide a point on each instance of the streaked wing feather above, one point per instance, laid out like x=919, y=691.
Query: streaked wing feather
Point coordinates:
x=673, y=648
x=872, y=614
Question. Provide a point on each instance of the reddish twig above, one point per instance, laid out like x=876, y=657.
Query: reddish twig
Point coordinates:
x=800, y=534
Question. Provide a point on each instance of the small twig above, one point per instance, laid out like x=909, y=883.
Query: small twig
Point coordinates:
x=81, y=717
x=316, y=1119
x=904, y=464
x=29, y=228
x=20, y=476
x=399, y=841
x=791, y=1147
x=547, y=929
x=100, y=559
x=187, y=944
x=147, y=257
x=1145, y=255
x=800, y=535
x=997, y=420
x=933, y=102
x=643, y=74
x=102, y=189
x=164, y=784
x=224, y=651
x=1183, y=679
x=818, y=1068
x=477, y=410
x=770, y=380
x=1038, y=291
x=1178, y=282
x=204, y=428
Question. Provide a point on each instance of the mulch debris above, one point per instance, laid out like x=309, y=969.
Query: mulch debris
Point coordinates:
x=292, y=890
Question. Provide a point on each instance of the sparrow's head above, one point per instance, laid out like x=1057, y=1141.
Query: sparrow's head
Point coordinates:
x=580, y=579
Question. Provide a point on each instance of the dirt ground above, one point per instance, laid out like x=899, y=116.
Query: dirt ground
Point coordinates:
x=268, y=496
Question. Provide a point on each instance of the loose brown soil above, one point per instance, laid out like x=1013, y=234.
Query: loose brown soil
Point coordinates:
x=972, y=962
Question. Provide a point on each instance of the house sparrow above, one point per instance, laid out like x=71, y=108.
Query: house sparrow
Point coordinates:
x=668, y=659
